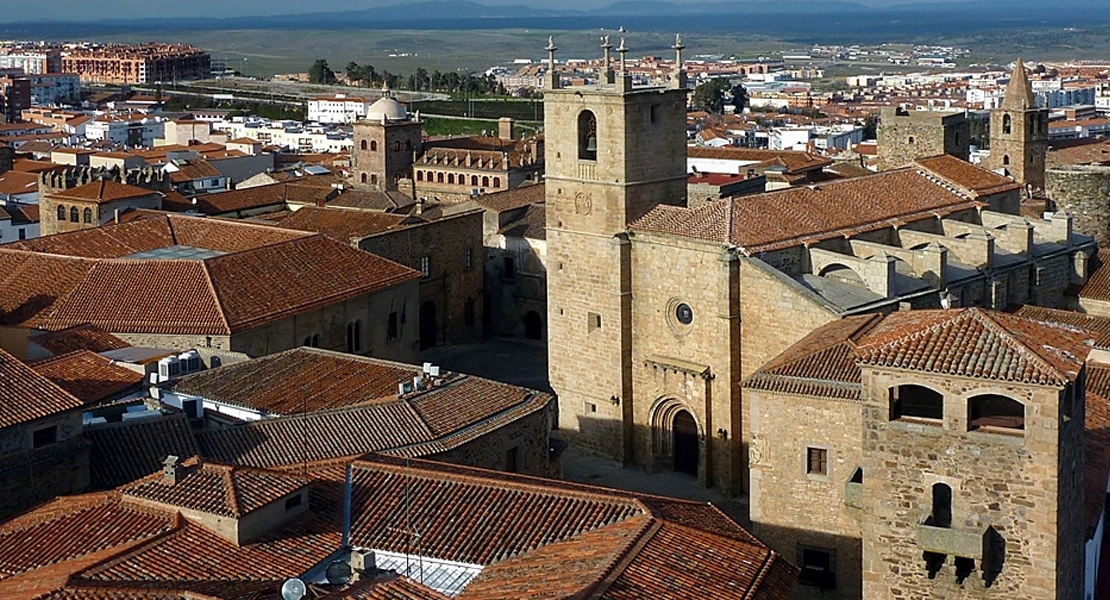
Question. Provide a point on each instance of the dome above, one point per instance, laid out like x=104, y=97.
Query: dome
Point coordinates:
x=386, y=108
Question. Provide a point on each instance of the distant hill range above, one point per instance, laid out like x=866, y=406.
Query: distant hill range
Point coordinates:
x=960, y=15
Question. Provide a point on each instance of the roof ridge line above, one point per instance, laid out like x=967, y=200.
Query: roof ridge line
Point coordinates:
x=616, y=567
x=215, y=294
x=176, y=527
x=1024, y=349
x=764, y=569
x=232, y=491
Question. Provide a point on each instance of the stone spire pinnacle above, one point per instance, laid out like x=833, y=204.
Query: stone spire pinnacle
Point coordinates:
x=607, y=47
x=551, y=78
x=623, y=50
x=1019, y=93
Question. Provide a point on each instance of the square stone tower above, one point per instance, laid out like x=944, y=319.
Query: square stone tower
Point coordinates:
x=387, y=142
x=1019, y=133
x=973, y=426
x=613, y=152
x=906, y=135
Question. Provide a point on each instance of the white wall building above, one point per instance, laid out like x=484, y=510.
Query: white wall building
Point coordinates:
x=289, y=134
x=789, y=138
x=340, y=108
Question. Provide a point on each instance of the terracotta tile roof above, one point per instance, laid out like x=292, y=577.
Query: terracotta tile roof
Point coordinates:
x=68, y=528
x=17, y=182
x=1080, y=151
x=352, y=408
x=795, y=162
x=1097, y=445
x=267, y=274
x=1099, y=326
x=194, y=170
x=514, y=198
x=23, y=213
x=791, y=217
x=218, y=203
x=966, y=175
x=103, y=192
x=975, y=343
x=299, y=380
x=524, y=531
x=1097, y=286
x=821, y=364
x=532, y=224
x=215, y=489
x=345, y=225
x=126, y=451
x=26, y=395
x=78, y=337
x=26, y=165
x=88, y=376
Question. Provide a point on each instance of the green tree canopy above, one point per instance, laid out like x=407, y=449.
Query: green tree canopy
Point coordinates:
x=319, y=72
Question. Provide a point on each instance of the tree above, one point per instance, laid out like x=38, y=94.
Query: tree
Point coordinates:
x=319, y=72
x=354, y=72
x=739, y=97
x=710, y=96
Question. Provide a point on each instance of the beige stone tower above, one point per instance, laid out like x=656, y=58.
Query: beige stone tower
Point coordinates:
x=387, y=141
x=972, y=461
x=613, y=152
x=1019, y=133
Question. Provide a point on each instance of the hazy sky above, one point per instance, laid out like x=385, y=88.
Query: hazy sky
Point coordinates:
x=76, y=10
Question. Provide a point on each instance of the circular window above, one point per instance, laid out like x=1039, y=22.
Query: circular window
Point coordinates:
x=684, y=314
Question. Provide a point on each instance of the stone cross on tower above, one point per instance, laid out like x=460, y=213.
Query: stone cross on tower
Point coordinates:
x=623, y=50
x=553, y=80
x=607, y=70
x=679, y=80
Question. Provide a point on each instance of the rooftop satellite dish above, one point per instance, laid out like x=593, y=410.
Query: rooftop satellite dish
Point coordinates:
x=338, y=572
x=293, y=589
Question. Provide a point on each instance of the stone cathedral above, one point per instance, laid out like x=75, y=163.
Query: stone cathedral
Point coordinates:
x=673, y=330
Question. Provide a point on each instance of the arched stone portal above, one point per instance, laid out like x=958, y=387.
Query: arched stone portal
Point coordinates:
x=686, y=448
x=675, y=437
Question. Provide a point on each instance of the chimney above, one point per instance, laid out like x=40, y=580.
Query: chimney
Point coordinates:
x=420, y=205
x=171, y=470
x=505, y=128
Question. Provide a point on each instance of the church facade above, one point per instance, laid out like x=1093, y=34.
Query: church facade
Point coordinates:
x=660, y=314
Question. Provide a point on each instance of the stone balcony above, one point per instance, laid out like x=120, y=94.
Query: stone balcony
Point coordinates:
x=952, y=542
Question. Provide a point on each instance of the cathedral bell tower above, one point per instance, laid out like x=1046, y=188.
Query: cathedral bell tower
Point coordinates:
x=614, y=151
x=1019, y=133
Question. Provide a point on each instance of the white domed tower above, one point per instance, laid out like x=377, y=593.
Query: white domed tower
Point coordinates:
x=386, y=142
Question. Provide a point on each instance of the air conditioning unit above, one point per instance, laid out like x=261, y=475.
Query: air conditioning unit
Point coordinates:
x=190, y=361
x=168, y=368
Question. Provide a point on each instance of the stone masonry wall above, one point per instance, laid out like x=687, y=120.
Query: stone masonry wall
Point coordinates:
x=999, y=481
x=1083, y=192
x=790, y=507
x=528, y=438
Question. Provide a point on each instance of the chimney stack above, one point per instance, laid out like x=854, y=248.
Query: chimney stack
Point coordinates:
x=171, y=470
x=505, y=128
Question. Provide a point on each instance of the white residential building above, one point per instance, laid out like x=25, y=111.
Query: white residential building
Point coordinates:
x=292, y=135
x=340, y=108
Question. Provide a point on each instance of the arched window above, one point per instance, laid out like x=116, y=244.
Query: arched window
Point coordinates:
x=439, y=177
x=364, y=177
x=587, y=136
x=362, y=145
x=911, y=140
x=485, y=181
x=87, y=215
x=916, y=402
x=397, y=145
x=61, y=212
x=373, y=145
x=496, y=183
x=74, y=215
x=1007, y=124
x=373, y=179
x=408, y=145
x=450, y=178
x=942, y=506
x=1006, y=159
x=474, y=180
x=995, y=411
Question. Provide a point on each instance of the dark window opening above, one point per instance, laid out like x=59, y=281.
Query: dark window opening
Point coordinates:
x=468, y=312
x=391, y=327
x=942, y=506
x=87, y=215
x=362, y=144
x=533, y=326
x=508, y=272
x=857, y=477
x=61, y=213
x=364, y=178
x=373, y=146
x=469, y=258
x=44, y=437
x=426, y=266
x=817, y=461
x=1006, y=159
x=917, y=402
x=408, y=145
x=933, y=563
x=911, y=140
x=818, y=568
x=656, y=109
x=397, y=145
x=992, y=410
x=511, y=460
x=294, y=502
x=593, y=322
x=73, y=215
x=587, y=136
x=964, y=567
x=1007, y=124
